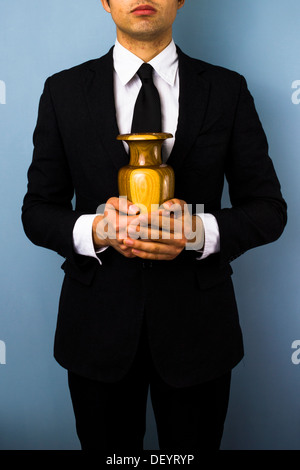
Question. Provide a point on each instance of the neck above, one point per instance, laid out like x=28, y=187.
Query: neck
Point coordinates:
x=145, y=50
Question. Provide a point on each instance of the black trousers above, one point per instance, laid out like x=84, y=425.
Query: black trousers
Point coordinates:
x=111, y=417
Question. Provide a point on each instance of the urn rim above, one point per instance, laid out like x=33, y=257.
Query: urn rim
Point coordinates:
x=145, y=136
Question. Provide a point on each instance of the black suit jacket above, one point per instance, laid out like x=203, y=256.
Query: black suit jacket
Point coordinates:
x=189, y=305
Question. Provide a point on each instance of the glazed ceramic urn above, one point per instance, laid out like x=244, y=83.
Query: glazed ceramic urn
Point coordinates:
x=146, y=181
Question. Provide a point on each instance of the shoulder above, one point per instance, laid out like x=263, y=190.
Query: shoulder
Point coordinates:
x=69, y=77
x=214, y=73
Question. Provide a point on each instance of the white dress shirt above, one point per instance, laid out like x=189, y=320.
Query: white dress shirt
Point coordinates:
x=127, y=85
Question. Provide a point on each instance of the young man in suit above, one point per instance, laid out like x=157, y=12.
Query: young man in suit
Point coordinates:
x=140, y=312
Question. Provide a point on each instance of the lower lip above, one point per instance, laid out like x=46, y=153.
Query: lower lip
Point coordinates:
x=144, y=12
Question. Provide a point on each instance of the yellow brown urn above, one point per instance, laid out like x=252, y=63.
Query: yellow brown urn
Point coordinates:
x=146, y=181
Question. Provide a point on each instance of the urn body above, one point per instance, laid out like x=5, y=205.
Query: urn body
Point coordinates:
x=146, y=181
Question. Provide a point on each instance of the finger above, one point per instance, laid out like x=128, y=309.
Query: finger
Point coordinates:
x=145, y=233
x=123, y=249
x=158, y=221
x=114, y=225
x=124, y=221
x=149, y=233
x=159, y=255
x=156, y=248
x=153, y=219
x=175, y=205
x=156, y=257
x=122, y=204
x=127, y=254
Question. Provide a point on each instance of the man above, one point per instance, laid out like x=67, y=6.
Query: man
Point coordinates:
x=135, y=312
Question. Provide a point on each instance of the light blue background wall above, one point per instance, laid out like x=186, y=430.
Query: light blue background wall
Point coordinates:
x=261, y=40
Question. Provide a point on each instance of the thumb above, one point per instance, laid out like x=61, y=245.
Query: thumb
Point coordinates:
x=126, y=206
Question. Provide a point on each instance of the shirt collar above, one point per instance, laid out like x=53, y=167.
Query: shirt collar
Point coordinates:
x=126, y=64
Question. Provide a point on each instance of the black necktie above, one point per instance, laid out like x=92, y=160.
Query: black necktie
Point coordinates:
x=147, y=112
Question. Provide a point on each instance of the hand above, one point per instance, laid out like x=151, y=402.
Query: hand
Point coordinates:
x=162, y=235
x=110, y=228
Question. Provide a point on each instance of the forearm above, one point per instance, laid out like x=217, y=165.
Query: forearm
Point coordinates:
x=248, y=226
x=50, y=226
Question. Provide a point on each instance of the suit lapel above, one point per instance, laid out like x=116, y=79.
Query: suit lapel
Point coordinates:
x=100, y=98
x=193, y=101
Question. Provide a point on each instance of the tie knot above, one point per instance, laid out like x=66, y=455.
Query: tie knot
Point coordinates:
x=145, y=72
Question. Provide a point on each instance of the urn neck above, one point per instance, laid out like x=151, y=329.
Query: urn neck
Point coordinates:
x=145, y=153
x=145, y=149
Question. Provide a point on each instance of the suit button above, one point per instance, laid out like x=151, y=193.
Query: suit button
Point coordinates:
x=147, y=264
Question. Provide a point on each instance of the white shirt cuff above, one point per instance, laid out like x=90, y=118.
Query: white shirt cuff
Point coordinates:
x=83, y=237
x=212, y=235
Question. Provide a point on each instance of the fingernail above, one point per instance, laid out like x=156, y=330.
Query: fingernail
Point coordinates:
x=133, y=209
x=128, y=242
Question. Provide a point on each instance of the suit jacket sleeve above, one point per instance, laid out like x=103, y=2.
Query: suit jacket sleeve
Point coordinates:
x=258, y=214
x=47, y=214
